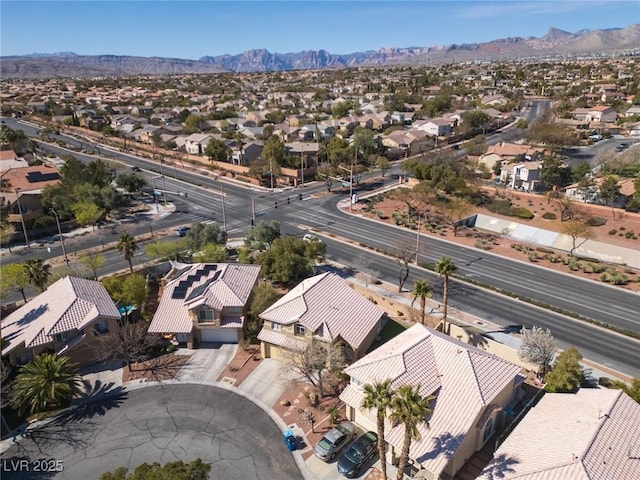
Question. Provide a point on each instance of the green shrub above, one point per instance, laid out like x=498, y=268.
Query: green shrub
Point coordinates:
x=522, y=212
x=629, y=234
x=613, y=231
x=596, y=221
x=549, y=216
x=544, y=250
x=502, y=207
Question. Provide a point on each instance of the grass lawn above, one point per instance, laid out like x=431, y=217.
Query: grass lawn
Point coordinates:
x=390, y=330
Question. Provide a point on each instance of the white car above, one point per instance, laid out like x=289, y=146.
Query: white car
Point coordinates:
x=311, y=238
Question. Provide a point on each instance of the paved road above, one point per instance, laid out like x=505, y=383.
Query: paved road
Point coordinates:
x=159, y=424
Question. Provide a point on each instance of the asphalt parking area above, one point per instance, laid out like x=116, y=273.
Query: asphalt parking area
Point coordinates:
x=156, y=424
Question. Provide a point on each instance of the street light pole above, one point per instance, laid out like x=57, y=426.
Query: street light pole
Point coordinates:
x=253, y=210
x=64, y=250
x=418, y=241
x=24, y=227
x=224, y=214
x=155, y=197
x=350, y=185
x=302, y=164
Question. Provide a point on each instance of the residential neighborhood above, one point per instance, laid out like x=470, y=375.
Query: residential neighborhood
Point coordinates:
x=227, y=247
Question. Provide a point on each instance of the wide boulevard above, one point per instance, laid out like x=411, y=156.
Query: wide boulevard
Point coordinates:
x=199, y=198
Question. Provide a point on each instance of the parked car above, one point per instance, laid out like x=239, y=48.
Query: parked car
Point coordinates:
x=334, y=441
x=182, y=231
x=357, y=455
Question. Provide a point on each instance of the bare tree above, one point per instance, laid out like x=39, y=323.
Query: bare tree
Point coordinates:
x=364, y=271
x=130, y=344
x=538, y=347
x=579, y=231
x=315, y=359
x=568, y=208
x=404, y=254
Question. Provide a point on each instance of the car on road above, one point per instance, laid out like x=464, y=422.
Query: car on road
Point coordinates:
x=357, y=455
x=334, y=441
x=136, y=169
x=182, y=231
x=311, y=238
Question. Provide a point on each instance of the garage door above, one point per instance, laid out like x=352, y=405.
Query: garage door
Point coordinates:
x=219, y=335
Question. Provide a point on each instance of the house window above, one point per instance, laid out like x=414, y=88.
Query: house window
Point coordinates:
x=276, y=326
x=25, y=358
x=101, y=326
x=356, y=382
x=488, y=431
x=300, y=330
x=62, y=337
x=205, y=316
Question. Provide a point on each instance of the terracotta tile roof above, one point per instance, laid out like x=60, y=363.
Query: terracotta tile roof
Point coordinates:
x=327, y=306
x=591, y=435
x=216, y=285
x=70, y=303
x=281, y=339
x=29, y=179
x=441, y=366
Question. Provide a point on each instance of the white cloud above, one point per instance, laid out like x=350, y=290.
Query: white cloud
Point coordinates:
x=523, y=9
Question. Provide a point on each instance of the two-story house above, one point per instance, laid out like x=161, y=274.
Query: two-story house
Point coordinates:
x=204, y=302
x=473, y=392
x=602, y=114
x=591, y=434
x=324, y=307
x=67, y=319
x=522, y=176
x=196, y=143
x=436, y=127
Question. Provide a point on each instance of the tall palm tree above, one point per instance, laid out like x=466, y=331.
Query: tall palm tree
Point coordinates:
x=37, y=272
x=127, y=245
x=421, y=290
x=379, y=396
x=409, y=408
x=47, y=381
x=445, y=267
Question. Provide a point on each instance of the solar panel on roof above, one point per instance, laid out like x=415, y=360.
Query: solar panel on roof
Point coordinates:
x=36, y=177
x=216, y=275
x=179, y=292
x=184, y=284
x=200, y=289
x=211, y=267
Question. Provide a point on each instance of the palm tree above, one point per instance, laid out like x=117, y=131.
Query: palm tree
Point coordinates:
x=410, y=408
x=445, y=267
x=37, y=272
x=45, y=382
x=379, y=396
x=421, y=290
x=127, y=245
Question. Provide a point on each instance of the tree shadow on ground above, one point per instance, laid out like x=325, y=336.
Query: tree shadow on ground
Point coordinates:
x=445, y=444
x=165, y=367
x=96, y=399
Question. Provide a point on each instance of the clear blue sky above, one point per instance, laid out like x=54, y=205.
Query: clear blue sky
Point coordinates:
x=192, y=29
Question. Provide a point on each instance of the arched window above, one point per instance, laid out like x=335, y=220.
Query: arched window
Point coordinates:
x=488, y=431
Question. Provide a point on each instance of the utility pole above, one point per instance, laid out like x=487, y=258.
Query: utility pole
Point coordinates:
x=155, y=197
x=24, y=227
x=64, y=250
x=418, y=241
x=302, y=164
x=253, y=210
x=224, y=215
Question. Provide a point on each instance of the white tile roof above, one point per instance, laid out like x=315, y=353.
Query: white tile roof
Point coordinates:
x=326, y=305
x=70, y=303
x=464, y=380
x=281, y=339
x=216, y=285
x=592, y=435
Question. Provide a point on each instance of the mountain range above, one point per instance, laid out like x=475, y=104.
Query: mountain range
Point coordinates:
x=555, y=42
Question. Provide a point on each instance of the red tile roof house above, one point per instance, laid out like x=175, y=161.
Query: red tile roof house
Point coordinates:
x=67, y=318
x=473, y=390
x=205, y=302
x=593, y=434
x=324, y=307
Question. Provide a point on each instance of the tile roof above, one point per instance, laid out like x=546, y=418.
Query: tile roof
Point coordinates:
x=29, y=179
x=281, y=339
x=70, y=303
x=216, y=285
x=327, y=306
x=592, y=435
x=441, y=366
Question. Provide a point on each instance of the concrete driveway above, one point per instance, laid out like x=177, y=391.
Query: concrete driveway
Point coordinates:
x=268, y=381
x=206, y=363
x=157, y=424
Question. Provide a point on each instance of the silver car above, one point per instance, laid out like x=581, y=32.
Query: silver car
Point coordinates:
x=335, y=440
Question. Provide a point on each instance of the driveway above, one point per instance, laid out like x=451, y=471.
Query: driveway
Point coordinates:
x=206, y=363
x=157, y=424
x=268, y=381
